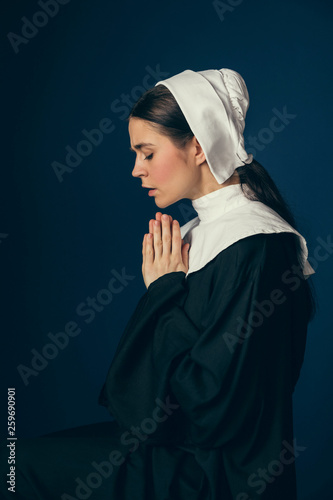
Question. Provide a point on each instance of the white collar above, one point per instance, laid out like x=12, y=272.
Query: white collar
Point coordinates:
x=226, y=216
x=214, y=204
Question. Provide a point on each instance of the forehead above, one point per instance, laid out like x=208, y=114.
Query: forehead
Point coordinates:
x=142, y=134
x=138, y=126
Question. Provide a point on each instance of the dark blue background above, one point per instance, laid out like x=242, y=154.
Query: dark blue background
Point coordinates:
x=64, y=238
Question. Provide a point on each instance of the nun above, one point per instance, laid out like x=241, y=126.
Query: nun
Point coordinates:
x=221, y=330
x=201, y=385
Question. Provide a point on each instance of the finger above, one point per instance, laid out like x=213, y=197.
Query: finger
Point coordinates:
x=166, y=235
x=151, y=226
x=159, y=216
x=149, y=250
x=157, y=240
x=144, y=250
x=176, y=239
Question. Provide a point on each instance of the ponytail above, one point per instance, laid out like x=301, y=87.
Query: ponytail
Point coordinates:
x=256, y=177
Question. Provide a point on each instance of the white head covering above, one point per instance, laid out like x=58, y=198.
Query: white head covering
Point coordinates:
x=214, y=103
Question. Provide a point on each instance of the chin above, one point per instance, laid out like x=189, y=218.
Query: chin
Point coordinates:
x=162, y=205
x=164, y=201
x=159, y=203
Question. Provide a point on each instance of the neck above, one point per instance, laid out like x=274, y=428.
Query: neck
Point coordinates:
x=234, y=179
x=209, y=184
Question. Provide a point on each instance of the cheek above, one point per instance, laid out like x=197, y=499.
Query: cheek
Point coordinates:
x=162, y=174
x=168, y=169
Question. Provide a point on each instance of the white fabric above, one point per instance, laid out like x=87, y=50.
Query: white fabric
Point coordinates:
x=226, y=216
x=214, y=103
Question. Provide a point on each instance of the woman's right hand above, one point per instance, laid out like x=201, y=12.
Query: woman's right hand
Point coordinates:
x=158, y=217
x=168, y=255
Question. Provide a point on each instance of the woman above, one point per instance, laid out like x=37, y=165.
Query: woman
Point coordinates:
x=221, y=330
x=202, y=380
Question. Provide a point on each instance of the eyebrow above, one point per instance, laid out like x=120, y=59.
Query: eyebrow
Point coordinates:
x=141, y=145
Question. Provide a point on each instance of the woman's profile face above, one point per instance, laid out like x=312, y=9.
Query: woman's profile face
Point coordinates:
x=172, y=172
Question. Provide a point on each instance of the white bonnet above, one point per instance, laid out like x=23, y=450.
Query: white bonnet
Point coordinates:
x=214, y=103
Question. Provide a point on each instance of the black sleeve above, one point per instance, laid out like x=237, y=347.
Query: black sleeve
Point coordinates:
x=232, y=375
x=131, y=386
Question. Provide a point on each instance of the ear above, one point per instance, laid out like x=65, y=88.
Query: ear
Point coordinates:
x=199, y=154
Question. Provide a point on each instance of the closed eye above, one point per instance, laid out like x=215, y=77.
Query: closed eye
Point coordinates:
x=149, y=157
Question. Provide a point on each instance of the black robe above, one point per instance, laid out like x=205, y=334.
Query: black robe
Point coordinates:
x=200, y=388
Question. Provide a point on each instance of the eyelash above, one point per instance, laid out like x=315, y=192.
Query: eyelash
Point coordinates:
x=149, y=157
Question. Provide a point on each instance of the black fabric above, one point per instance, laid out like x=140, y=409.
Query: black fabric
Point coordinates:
x=202, y=407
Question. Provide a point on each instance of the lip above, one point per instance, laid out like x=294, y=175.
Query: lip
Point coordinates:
x=151, y=191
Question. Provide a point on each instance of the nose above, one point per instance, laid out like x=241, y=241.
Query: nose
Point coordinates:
x=139, y=168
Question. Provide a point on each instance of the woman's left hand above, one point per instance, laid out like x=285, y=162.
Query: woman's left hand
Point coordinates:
x=162, y=249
